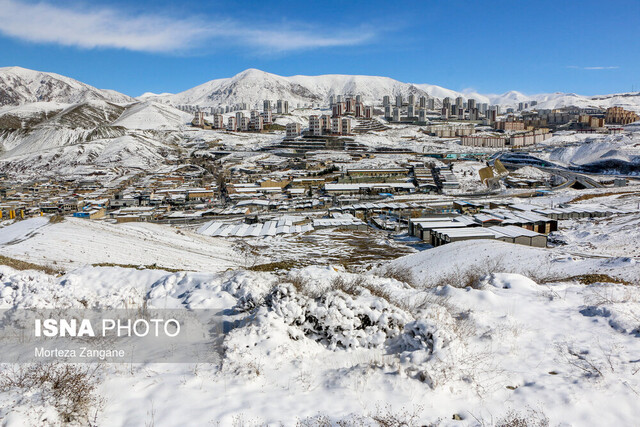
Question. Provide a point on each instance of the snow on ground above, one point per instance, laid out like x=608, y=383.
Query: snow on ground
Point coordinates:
x=531, y=172
x=468, y=176
x=76, y=242
x=320, y=342
x=151, y=115
x=581, y=150
x=609, y=236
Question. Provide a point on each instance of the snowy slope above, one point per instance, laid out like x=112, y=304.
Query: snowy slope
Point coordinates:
x=152, y=115
x=253, y=86
x=91, y=242
x=614, y=151
x=20, y=86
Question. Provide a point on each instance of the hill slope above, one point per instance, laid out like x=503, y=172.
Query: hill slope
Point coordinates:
x=21, y=86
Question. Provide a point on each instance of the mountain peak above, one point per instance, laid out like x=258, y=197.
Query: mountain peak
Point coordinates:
x=22, y=86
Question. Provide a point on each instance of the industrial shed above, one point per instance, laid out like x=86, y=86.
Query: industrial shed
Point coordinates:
x=450, y=235
x=519, y=235
x=426, y=230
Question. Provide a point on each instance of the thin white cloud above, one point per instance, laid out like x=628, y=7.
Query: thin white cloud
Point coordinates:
x=613, y=67
x=109, y=28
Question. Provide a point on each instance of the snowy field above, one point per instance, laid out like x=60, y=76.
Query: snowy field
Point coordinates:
x=466, y=334
x=77, y=242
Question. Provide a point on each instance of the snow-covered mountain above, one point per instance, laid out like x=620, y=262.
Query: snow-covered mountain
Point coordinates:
x=253, y=86
x=21, y=86
x=86, y=136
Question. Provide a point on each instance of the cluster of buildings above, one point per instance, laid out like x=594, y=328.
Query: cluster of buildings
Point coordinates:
x=409, y=110
x=502, y=140
x=349, y=105
x=450, y=130
x=255, y=122
x=157, y=194
x=327, y=125
x=620, y=116
x=525, y=224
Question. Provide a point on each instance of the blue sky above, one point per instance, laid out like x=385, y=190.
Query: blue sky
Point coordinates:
x=587, y=47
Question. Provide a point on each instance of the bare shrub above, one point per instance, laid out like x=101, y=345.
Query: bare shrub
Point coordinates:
x=55, y=219
x=532, y=418
x=403, y=418
x=581, y=360
x=67, y=387
x=400, y=274
x=303, y=286
x=350, y=287
x=468, y=278
x=17, y=264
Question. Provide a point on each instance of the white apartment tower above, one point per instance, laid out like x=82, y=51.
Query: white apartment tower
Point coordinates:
x=293, y=130
x=232, y=124
x=315, y=125
x=368, y=112
x=282, y=106
x=218, y=121
x=267, y=117
x=346, y=126
x=244, y=124
x=336, y=125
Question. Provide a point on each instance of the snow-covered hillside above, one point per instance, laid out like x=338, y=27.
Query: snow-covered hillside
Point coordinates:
x=20, y=86
x=321, y=346
x=253, y=86
x=73, y=138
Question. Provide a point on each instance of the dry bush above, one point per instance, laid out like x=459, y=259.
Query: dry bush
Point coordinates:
x=349, y=287
x=17, y=264
x=302, y=286
x=580, y=360
x=69, y=388
x=403, y=418
x=54, y=219
x=356, y=285
x=532, y=418
x=469, y=278
x=400, y=274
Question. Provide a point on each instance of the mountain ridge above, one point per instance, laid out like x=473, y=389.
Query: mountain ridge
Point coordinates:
x=20, y=86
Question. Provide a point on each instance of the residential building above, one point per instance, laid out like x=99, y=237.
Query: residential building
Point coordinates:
x=232, y=124
x=218, y=121
x=293, y=130
x=282, y=106
x=336, y=125
x=346, y=126
x=618, y=115
x=396, y=114
x=315, y=125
